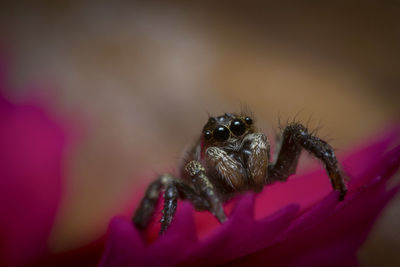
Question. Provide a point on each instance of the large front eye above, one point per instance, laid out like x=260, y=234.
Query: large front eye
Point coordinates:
x=237, y=127
x=221, y=133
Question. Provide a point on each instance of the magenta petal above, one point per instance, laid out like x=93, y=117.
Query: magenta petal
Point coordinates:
x=125, y=245
x=333, y=238
x=318, y=231
x=31, y=151
x=357, y=165
x=182, y=233
x=241, y=235
x=180, y=247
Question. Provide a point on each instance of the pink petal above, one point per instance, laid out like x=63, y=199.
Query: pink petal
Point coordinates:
x=32, y=148
x=318, y=237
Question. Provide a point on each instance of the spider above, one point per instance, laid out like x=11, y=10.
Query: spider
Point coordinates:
x=232, y=157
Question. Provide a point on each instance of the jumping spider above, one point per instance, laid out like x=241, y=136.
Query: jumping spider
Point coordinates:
x=232, y=157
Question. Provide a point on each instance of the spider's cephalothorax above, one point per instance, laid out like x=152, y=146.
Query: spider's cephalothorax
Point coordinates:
x=234, y=156
x=231, y=157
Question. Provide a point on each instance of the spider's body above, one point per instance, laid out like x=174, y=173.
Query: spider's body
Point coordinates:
x=235, y=158
x=231, y=157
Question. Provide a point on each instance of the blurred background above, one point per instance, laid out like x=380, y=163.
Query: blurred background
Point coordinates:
x=142, y=78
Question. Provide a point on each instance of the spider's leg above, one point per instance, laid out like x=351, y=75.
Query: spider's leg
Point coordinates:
x=256, y=152
x=206, y=189
x=170, y=203
x=174, y=189
x=148, y=204
x=295, y=137
x=227, y=167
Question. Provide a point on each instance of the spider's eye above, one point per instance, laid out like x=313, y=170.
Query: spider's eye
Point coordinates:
x=221, y=133
x=207, y=135
x=237, y=127
x=248, y=120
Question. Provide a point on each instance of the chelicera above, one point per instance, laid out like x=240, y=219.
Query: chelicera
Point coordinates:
x=232, y=157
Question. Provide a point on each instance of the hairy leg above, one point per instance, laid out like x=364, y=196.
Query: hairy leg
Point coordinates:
x=227, y=167
x=256, y=151
x=148, y=204
x=174, y=189
x=206, y=189
x=170, y=204
x=294, y=138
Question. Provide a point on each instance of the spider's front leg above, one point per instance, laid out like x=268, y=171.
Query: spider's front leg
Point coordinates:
x=174, y=189
x=295, y=137
x=206, y=189
x=256, y=150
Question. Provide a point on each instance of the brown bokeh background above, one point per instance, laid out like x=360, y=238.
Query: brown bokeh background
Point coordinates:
x=143, y=77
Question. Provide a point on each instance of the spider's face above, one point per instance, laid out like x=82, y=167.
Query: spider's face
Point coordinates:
x=226, y=129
